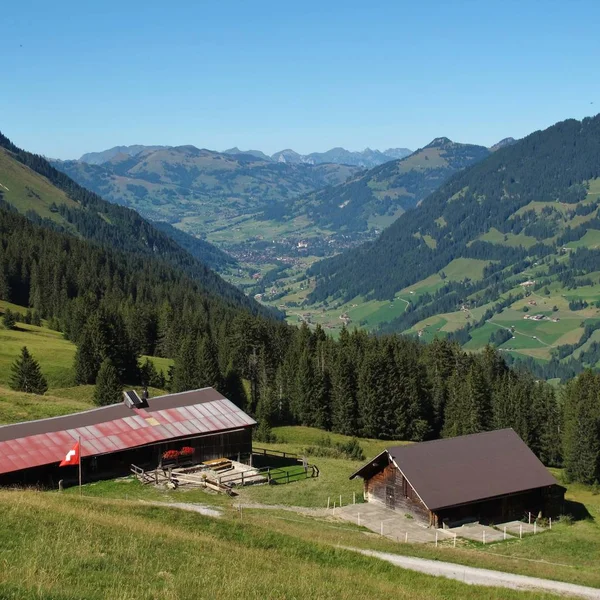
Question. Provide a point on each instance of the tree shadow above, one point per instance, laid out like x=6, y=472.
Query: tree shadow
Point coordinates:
x=577, y=510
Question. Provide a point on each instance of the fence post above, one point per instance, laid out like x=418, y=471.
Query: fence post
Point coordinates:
x=358, y=519
x=505, y=533
x=436, y=538
x=242, y=478
x=328, y=500
x=550, y=522
x=340, y=501
x=530, y=518
x=353, y=497
x=534, y=527
x=520, y=531
x=406, y=538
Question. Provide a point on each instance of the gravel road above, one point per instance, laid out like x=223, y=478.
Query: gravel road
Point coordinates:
x=485, y=577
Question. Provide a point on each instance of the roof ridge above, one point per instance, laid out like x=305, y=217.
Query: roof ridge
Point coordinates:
x=468, y=435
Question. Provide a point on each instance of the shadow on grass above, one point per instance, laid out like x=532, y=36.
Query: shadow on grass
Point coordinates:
x=577, y=510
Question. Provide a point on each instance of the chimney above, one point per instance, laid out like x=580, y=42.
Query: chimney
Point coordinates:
x=132, y=400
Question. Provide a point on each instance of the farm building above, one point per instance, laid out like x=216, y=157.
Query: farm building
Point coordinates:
x=490, y=476
x=115, y=437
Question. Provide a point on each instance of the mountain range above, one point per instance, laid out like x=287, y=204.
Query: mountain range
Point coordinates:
x=367, y=158
x=375, y=198
x=194, y=187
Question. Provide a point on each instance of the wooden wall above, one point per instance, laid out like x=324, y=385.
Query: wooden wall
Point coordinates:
x=390, y=488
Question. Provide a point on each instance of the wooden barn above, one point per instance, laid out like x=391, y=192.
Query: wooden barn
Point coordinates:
x=491, y=476
x=137, y=431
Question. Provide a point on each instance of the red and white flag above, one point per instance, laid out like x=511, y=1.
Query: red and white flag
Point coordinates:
x=72, y=457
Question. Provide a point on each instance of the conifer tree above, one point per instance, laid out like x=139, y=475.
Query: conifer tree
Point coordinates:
x=304, y=392
x=9, y=320
x=27, y=375
x=108, y=389
x=186, y=374
x=582, y=428
x=208, y=364
x=87, y=360
x=345, y=408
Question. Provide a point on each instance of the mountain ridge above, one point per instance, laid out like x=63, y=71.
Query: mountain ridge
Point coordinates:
x=50, y=198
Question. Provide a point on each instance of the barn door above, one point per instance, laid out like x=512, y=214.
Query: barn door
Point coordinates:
x=390, y=496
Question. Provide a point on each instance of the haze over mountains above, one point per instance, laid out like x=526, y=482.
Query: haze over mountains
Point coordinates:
x=240, y=200
x=366, y=158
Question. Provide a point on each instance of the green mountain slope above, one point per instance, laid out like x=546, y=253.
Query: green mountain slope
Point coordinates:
x=185, y=184
x=528, y=213
x=50, y=198
x=376, y=198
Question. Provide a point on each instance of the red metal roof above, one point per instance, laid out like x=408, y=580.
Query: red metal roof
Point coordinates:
x=115, y=428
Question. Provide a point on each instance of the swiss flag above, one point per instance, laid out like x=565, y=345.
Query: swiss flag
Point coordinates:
x=72, y=457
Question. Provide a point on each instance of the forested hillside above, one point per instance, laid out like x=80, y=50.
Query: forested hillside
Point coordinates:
x=117, y=307
x=550, y=166
x=377, y=197
x=515, y=234
x=50, y=198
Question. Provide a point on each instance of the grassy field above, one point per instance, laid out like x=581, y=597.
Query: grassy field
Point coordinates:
x=55, y=355
x=145, y=551
x=65, y=547
x=569, y=552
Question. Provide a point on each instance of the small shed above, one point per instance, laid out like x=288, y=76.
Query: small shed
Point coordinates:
x=491, y=476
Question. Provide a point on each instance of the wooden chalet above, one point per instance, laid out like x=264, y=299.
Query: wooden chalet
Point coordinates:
x=136, y=431
x=491, y=476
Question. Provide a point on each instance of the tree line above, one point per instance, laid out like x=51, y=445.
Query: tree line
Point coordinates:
x=117, y=307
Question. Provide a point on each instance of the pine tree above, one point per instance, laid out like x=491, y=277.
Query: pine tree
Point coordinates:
x=582, y=428
x=186, y=373
x=208, y=365
x=345, y=408
x=87, y=360
x=108, y=389
x=9, y=320
x=27, y=375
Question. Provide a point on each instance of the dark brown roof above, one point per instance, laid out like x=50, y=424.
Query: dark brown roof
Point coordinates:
x=96, y=416
x=468, y=468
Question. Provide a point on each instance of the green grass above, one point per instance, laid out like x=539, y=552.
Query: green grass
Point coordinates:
x=49, y=348
x=591, y=239
x=334, y=472
x=18, y=406
x=509, y=239
x=55, y=355
x=567, y=553
x=26, y=190
x=461, y=268
x=66, y=547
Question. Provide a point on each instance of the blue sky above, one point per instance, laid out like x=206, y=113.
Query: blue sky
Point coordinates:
x=303, y=75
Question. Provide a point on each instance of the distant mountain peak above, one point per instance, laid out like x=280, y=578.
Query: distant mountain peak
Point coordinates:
x=439, y=142
x=508, y=141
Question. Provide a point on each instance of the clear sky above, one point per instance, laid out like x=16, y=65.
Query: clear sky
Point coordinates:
x=82, y=76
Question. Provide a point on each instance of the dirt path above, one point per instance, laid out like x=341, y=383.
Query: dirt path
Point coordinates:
x=315, y=512
x=486, y=577
x=199, y=508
